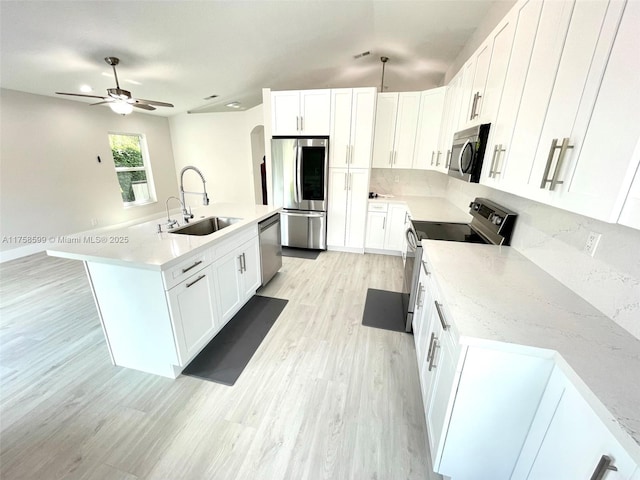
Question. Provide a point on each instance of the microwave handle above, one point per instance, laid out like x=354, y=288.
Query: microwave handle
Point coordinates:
x=412, y=240
x=464, y=147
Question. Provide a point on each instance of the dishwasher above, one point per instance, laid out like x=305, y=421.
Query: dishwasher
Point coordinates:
x=270, y=247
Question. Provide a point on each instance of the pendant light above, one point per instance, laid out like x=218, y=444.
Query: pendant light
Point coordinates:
x=121, y=107
x=383, y=60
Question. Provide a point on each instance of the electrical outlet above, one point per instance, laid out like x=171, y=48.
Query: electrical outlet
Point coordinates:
x=94, y=222
x=397, y=179
x=592, y=243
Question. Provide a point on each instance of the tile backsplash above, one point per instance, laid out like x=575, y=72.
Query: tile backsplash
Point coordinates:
x=401, y=182
x=553, y=239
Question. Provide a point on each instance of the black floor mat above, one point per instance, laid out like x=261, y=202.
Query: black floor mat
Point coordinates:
x=225, y=357
x=383, y=309
x=300, y=253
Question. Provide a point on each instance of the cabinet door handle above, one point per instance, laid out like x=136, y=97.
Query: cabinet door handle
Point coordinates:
x=420, y=290
x=432, y=155
x=195, y=281
x=547, y=168
x=493, y=161
x=501, y=151
x=345, y=182
x=297, y=123
x=350, y=181
x=240, y=262
x=424, y=267
x=603, y=465
x=395, y=157
x=445, y=325
x=346, y=155
x=436, y=344
x=448, y=158
x=438, y=159
x=477, y=104
x=473, y=106
x=384, y=223
x=185, y=270
x=350, y=153
x=390, y=157
x=430, y=352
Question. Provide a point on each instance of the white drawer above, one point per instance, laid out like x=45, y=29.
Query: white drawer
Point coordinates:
x=377, y=207
x=187, y=267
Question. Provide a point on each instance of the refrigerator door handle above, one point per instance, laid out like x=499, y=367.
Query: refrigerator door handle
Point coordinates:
x=298, y=173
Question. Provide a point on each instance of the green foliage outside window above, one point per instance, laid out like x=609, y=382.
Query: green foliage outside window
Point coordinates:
x=127, y=153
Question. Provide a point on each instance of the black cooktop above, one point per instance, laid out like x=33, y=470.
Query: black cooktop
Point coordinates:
x=453, y=232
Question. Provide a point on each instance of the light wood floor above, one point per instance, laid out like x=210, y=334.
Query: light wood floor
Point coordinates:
x=322, y=398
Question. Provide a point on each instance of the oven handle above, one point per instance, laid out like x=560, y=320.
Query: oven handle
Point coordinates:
x=412, y=239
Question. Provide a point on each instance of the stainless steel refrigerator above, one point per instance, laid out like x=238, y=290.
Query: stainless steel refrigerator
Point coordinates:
x=299, y=171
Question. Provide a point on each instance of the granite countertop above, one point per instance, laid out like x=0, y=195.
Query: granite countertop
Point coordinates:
x=141, y=246
x=429, y=209
x=497, y=295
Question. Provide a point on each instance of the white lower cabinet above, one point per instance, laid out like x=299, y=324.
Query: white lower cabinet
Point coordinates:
x=504, y=411
x=195, y=313
x=569, y=440
x=237, y=276
x=386, y=227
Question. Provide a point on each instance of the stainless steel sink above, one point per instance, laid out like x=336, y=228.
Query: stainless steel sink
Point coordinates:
x=206, y=226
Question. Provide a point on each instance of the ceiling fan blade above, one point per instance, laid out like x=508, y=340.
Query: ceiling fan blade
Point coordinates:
x=100, y=103
x=153, y=102
x=81, y=95
x=144, y=106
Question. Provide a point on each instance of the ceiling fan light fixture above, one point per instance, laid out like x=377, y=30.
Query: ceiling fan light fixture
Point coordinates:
x=233, y=105
x=120, y=107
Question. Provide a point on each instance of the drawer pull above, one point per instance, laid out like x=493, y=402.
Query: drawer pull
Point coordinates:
x=603, y=465
x=436, y=345
x=185, y=270
x=195, y=281
x=424, y=267
x=445, y=325
x=433, y=336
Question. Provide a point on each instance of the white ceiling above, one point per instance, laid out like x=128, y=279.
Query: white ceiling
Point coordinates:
x=183, y=51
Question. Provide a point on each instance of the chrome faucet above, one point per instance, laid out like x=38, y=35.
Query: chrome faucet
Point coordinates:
x=187, y=215
x=172, y=223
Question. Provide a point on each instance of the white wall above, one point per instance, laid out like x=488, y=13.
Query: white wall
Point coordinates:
x=219, y=144
x=50, y=180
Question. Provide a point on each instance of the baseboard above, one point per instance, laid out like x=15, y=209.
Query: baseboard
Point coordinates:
x=378, y=251
x=345, y=249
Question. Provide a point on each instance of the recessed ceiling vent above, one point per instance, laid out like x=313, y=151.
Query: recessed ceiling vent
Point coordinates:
x=360, y=55
x=210, y=97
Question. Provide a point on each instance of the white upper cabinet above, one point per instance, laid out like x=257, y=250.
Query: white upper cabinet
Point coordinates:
x=428, y=154
x=352, y=120
x=525, y=16
x=598, y=171
x=630, y=215
x=449, y=119
x=395, y=131
x=301, y=112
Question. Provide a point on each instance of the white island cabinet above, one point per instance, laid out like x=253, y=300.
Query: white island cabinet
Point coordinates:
x=162, y=297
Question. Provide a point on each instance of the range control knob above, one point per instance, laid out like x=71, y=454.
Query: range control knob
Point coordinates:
x=496, y=220
x=475, y=206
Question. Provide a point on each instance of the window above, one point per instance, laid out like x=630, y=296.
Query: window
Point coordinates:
x=130, y=156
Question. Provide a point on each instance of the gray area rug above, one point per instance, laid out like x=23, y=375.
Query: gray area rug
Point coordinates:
x=383, y=309
x=300, y=253
x=224, y=358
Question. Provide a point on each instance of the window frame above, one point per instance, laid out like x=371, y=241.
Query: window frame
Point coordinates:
x=146, y=167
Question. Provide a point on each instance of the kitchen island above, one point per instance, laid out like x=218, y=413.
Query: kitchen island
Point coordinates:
x=162, y=296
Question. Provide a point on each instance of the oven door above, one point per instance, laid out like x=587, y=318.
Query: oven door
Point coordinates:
x=411, y=274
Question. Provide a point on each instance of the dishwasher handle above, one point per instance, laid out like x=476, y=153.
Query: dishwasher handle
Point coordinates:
x=269, y=222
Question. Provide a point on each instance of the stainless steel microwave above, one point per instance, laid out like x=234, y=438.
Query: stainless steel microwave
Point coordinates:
x=467, y=153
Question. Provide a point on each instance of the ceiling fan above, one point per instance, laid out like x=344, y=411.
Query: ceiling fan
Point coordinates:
x=118, y=99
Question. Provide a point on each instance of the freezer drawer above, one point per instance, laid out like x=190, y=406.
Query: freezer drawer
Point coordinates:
x=303, y=229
